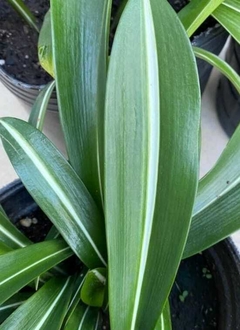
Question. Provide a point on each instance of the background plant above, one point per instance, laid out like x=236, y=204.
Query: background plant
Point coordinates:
x=128, y=190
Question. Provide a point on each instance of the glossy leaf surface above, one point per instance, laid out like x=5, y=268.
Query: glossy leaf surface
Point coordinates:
x=228, y=15
x=44, y=310
x=56, y=188
x=216, y=213
x=80, y=61
x=32, y=261
x=151, y=152
x=94, y=287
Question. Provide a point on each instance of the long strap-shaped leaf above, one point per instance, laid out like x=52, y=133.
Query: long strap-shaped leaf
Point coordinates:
x=164, y=322
x=10, y=235
x=150, y=171
x=196, y=12
x=57, y=189
x=44, y=310
x=11, y=304
x=25, y=13
x=39, y=108
x=216, y=213
x=31, y=262
x=228, y=15
x=220, y=64
x=80, y=46
x=83, y=318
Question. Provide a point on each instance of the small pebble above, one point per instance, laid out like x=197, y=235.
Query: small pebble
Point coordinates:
x=24, y=65
x=34, y=221
x=26, y=222
x=26, y=56
x=2, y=62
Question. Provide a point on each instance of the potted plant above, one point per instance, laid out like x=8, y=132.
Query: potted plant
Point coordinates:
x=20, y=70
x=126, y=202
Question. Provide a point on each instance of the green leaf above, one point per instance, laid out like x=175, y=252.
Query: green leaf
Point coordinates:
x=196, y=12
x=80, y=61
x=44, y=310
x=228, y=15
x=4, y=248
x=56, y=189
x=11, y=304
x=216, y=213
x=52, y=234
x=39, y=108
x=220, y=64
x=151, y=168
x=164, y=322
x=32, y=261
x=24, y=12
x=10, y=235
x=94, y=287
x=45, y=50
x=75, y=299
x=83, y=318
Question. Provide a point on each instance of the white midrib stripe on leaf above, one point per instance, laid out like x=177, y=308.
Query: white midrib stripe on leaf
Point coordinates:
x=54, y=303
x=223, y=192
x=152, y=169
x=231, y=6
x=99, y=276
x=11, y=237
x=2, y=308
x=34, y=264
x=45, y=102
x=51, y=182
x=83, y=318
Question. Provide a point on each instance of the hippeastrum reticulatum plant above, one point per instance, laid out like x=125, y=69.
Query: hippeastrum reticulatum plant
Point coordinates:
x=126, y=201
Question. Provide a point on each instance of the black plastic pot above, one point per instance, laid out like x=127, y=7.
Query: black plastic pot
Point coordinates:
x=27, y=93
x=228, y=99
x=222, y=262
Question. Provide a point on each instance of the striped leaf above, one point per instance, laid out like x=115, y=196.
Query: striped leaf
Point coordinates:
x=80, y=62
x=39, y=108
x=196, y=12
x=83, y=318
x=151, y=159
x=57, y=189
x=75, y=299
x=228, y=15
x=164, y=322
x=44, y=310
x=32, y=261
x=220, y=64
x=216, y=213
x=10, y=235
x=11, y=304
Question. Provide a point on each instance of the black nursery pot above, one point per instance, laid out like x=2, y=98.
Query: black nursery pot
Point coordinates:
x=26, y=92
x=211, y=279
x=228, y=99
x=213, y=40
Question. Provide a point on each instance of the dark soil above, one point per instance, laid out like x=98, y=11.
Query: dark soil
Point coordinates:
x=35, y=225
x=18, y=43
x=193, y=298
